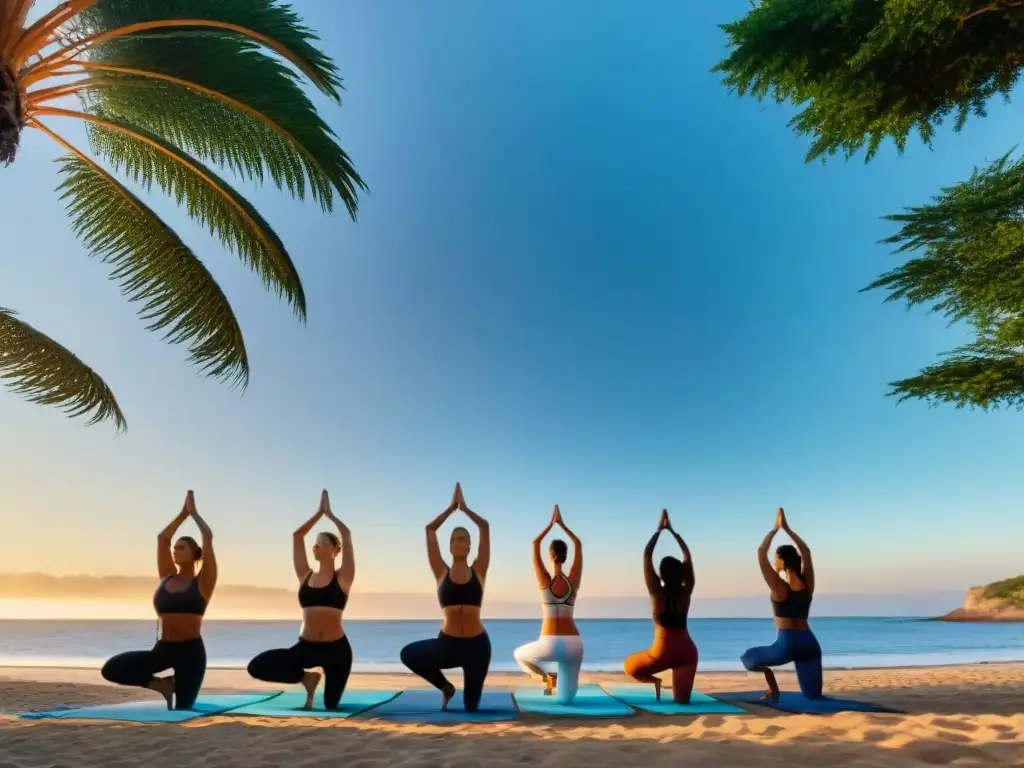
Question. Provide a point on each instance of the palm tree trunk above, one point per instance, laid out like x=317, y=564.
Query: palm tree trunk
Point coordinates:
x=12, y=118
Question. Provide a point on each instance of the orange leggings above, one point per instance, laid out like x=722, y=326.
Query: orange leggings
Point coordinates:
x=673, y=649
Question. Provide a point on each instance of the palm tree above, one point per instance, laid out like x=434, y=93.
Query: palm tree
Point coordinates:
x=167, y=90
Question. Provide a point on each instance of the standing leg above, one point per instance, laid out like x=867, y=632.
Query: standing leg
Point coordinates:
x=336, y=669
x=425, y=659
x=808, y=664
x=570, y=660
x=189, y=671
x=139, y=668
x=475, y=665
x=685, y=670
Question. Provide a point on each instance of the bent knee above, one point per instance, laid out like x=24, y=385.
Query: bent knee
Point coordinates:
x=752, y=662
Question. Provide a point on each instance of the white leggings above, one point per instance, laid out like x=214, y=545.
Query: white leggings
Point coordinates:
x=566, y=651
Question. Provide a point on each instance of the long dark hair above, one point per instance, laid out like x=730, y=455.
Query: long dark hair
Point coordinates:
x=675, y=575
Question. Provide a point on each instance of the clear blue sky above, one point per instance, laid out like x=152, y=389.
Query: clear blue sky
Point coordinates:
x=586, y=274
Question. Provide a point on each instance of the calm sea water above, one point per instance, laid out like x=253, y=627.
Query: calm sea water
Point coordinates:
x=847, y=642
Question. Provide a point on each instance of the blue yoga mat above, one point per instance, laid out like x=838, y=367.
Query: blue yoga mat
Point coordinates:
x=290, y=704
x=154, y=711
x=424, y=706
x=642, y=697
x=590, y=701
x=798, y=704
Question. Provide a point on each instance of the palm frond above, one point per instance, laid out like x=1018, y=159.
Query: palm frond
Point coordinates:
x=45, y=372
x=154, y=266
x=147, y=159
x=224, y=101
x=268, y=22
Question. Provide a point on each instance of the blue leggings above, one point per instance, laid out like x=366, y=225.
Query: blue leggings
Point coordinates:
x=798, y=646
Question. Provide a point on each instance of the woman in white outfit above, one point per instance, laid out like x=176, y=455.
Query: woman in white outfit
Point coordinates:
x=560, y=643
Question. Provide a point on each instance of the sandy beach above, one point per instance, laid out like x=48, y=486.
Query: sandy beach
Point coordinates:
x=957, y=715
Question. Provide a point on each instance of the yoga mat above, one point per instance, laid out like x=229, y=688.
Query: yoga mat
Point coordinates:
x=290, y=704
x=590, y=701
x=642, y=697
x=424, y=706
x=154, y=711
x=795, y=703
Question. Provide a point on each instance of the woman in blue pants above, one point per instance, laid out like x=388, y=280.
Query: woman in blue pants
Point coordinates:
x=791, y=582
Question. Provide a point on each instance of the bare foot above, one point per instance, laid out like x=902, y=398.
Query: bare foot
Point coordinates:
x=550, y=682
x=770, y=696
x=447, y=696
x=310, y=680
x=165, y=687
x=657, y=689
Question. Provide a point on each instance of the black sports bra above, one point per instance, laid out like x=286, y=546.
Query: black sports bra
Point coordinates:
x=672, y=616
x=452, y=593
x=190, y=600
x=795, y=605
x=330, y=595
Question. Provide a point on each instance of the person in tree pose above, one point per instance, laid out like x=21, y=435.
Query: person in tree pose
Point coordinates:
x=188, y=577
x=463, y=641
x=670, y=588
x=323, y=595
x=791, y=593
x=559, y=641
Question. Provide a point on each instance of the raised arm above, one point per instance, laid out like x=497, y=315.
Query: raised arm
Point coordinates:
x=539, y=569
x=437, y=564
x=347, y=572
x=775, y=583
x=687, y=559
x=805, y=552
x=576, y=572
x=300, y=561
x=649, y=574
x=208, y=574
x=483, y=551
x=164, y=561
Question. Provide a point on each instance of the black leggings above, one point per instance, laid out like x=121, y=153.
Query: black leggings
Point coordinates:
x=139, y=668
x=427, y=658
x=286, y=665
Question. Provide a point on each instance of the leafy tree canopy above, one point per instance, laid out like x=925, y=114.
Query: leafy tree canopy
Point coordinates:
x=865, y=70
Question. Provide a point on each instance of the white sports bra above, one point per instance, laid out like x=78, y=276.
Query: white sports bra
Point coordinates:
x=558, y=607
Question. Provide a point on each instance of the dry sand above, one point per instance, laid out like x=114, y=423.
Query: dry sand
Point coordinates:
x=958, y=715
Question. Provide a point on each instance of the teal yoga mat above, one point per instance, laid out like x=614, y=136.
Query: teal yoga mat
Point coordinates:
x=642, y=697
x=290, y=704
x=424, y=706
x=154, y=711
x=795, y=703
x=590, y=701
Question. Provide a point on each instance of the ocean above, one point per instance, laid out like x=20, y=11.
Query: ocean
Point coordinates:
x=847, y=642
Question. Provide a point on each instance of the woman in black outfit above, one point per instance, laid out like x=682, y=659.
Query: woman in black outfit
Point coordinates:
x=188, y=576
x=323, y=595
x=463, y=641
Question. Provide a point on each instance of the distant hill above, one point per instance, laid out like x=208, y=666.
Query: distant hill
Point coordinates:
x=998, y=601
x=234, y=601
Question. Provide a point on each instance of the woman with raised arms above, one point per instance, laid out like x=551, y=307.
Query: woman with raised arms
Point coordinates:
x=188, y=577
x=323, y=595
x=790, y=580
x=670, y=589
x=463, y=641
x=559, y=643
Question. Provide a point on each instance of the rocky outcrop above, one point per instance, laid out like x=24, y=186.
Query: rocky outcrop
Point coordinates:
x=987, y=604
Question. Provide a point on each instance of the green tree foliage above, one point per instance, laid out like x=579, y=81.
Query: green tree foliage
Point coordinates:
x=862, y=71
x=172, y=92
